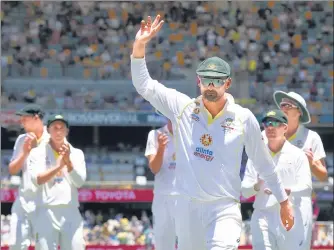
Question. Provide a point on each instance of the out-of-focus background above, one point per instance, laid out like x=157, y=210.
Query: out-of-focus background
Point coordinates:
x=73, y=58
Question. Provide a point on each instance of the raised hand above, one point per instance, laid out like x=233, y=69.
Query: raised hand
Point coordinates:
x=30, y=142
x=65, y=153
x=162, y=140
x=148, y=29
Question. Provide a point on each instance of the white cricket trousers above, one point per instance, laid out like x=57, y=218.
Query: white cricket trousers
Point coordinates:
x=59, y=225
x=208, y=225
x=163, y=209
x=306, y=208
x=21, y=231
x=268, y=232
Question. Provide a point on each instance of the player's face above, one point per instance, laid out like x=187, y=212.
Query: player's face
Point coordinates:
x=58, y=131
x=291, y=111
x=274, y=129
x=213, y=89
x=28, y=122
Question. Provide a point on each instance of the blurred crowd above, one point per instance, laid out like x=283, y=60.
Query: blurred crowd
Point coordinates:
x=106, y=229
x=82, y=99
x=280, y=45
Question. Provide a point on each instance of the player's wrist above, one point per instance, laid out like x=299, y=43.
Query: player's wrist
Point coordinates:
x=138, y=50
x=285, y=203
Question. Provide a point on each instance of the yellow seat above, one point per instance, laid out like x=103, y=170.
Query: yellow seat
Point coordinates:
x=87, y=73
x=44, y=72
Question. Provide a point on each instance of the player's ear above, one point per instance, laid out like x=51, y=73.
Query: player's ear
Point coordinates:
x=198, y=81
x=228, y=83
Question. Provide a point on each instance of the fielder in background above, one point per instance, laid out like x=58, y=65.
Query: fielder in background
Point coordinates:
x=268, y=233
x=211, y=132
x=21, y=223
x=160, y=153
x=57, y=169
x=294, y=106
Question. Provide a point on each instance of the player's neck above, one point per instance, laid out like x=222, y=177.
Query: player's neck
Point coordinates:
x=39, y=132
x=56, y=145
x=292, y=129
x=276, y=145
x=215, y=107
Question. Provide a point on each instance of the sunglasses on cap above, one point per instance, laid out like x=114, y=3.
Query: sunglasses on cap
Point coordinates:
x=217, y=82
x=272, y=123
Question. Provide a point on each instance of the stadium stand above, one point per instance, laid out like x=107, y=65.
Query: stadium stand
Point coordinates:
x=271, y=46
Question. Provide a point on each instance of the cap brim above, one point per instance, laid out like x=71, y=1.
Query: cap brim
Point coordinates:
x=58, y=120
x=21, y=113
x=211, y=74
x=279, y=95
x=274, y=118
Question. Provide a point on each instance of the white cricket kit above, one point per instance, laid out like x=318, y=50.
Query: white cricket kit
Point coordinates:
x=23, y=208
x=163, y=206
x=208, y=159
x=307, y=139
x=57, y=202
x=267, y=229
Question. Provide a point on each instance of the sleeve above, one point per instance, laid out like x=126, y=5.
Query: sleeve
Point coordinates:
x=78, y=174
x=250, y=179
x=317, y=147
x=151, y=145
x=35, y=165
x=168, y=101
x=18, y=147
x=303, y=176
x=258, y=153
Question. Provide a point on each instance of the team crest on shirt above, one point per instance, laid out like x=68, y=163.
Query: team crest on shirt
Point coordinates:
x=227, y=125
x=195, y=113
x=206, y=140
x=172, y=164
x=204, y=152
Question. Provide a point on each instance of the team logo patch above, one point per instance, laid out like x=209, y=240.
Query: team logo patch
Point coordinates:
x=196, y=111
x=211, y=66
x=299, y=144
x=172, y=164
x=227, y=125
x=203, y=152
x=271, y=113
x=194, y=117
x=206, y=140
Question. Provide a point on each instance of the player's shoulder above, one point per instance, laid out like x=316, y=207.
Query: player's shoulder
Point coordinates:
x=293, y=150
x=21, y=137
x=312, y=134
x=242, y=113
x=77, y=152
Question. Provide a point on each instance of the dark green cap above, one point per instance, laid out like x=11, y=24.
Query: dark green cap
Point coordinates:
x=277, y=115
x=31, y=109
x=214, y=67
x=54, y=118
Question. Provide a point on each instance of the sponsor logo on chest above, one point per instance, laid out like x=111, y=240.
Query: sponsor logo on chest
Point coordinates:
x=204, y=152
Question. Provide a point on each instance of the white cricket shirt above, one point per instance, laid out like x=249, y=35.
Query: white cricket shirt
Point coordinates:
x=63, y=188
x=208, y=151
x=26, y=189
x=164, y=180
x=292, y=168
x=305, y=138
